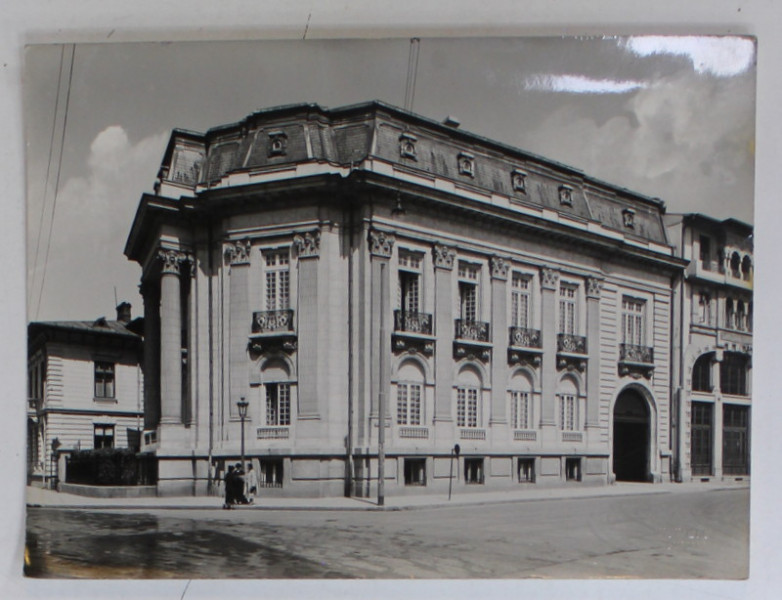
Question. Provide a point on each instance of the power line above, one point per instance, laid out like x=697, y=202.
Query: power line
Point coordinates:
x=57, y=179
x=412, y=71
x=46, y=180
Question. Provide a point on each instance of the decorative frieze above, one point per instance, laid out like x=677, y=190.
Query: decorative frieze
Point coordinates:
x=594, y=286
x=549, y=278
x=238, y=252
x=499, y=267
x=444, y=256
x=307, y=244
x=381, y=244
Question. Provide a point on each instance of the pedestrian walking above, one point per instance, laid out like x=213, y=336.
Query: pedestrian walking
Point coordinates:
x=250, y=483
x=239, y=485
x=230, y=487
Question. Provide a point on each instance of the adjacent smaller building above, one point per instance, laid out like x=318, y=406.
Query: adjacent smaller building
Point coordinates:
x=712, y=351
x=85, y=389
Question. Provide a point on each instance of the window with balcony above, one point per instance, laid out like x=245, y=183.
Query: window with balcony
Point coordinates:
x=633, y=321
x=468, y=291
x=277, y=279
x=408, y=317
x=103, y=436
x=520, y=301
x=568, y=295
x=104, y=380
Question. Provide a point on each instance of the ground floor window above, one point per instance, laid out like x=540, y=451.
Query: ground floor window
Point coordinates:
x=415, y=471
x=526, y=470
x=735, y=439
x=473, y=470
x=573, y=469
x=103, y=436
x=270, y=473
x=701, y=436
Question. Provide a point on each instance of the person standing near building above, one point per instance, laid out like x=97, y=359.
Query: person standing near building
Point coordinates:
x=250, y=483
x=229, y=487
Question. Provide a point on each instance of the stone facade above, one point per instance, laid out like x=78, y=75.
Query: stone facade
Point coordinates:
x=362, y=268
x=712, y=360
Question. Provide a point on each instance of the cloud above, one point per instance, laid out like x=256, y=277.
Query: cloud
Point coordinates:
x=720, y=56
x=684, y=138
x=93, y=217
x=579, y=84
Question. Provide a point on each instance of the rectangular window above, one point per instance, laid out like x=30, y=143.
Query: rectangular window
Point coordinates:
x=104, y=380
x=270, y=473
x=103, y=436
x=705, y=255
x=567, y=308
x=410, y=281
x=519, y=409
x=278, y=404
x=700, y=450
x=408, y=404
x=466, y=407
x=468, y=291
x=526, y=470
x=704, y=308
x=633, y=329
x=415, y=471
x=519, y=301
x=735, y=439
x=733, y=374
x=568, y=415
x=277, y=280
x=473, y=470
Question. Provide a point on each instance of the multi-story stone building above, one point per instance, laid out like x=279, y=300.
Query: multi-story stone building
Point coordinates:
x=322, y=264
x=712, y=357
x=85, y=389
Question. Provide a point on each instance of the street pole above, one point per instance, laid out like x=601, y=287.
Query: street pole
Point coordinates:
x=381, y=427
x=242, y=415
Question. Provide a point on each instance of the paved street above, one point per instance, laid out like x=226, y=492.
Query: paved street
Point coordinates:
x=696, y=534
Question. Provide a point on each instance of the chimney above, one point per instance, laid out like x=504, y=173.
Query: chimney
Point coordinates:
x=123, y=313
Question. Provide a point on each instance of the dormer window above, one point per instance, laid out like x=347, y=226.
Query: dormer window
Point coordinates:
x=466, y=164
x=278, y=143
x=407, y=146
x=628, y=218
x=566, y=195
x=519, y=181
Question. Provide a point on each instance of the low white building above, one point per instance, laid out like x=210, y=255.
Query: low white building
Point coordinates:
x=85, y=390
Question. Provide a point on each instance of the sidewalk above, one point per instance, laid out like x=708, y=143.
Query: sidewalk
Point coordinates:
x=38, y=497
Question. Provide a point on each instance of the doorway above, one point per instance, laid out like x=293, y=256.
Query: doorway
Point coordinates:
x=631, y=437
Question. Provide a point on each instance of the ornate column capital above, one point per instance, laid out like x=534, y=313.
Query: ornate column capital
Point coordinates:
x=307, y=244
x=381, y=244
x=443, y=256
x=172, y=260
x=499, y=267
x=549, y=278
x=594, y=286
x=238, y=252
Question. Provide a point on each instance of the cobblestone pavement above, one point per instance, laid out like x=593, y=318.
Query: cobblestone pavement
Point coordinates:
x=692, y=535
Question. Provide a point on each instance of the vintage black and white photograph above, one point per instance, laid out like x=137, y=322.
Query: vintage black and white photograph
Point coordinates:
x=414, y=308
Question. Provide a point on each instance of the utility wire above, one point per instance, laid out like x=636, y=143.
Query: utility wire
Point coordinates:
x=57, y=179
x=412, y=71
x=31, y=291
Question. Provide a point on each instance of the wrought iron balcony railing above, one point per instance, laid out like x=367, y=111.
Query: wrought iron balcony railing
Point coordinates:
x=271, y=321
x=572, y=344
x=412, y=322
x=523, y=337
x=636, y=354
x=476, y=331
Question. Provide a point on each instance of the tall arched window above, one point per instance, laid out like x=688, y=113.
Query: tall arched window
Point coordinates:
x=520, y=399
x=410, y=394
x=741, y=316
x=567, y=399
x=735, y=265
x=701, y=373
x=730, y=316
x=746, y=267
x=277, y=395
x=468, y=398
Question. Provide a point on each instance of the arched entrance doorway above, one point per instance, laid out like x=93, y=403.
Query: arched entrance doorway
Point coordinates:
x=631, y=437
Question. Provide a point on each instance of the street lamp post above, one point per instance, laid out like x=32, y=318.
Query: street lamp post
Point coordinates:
x=242, y=404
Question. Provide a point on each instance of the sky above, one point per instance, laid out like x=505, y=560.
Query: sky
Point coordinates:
x=669, y=117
